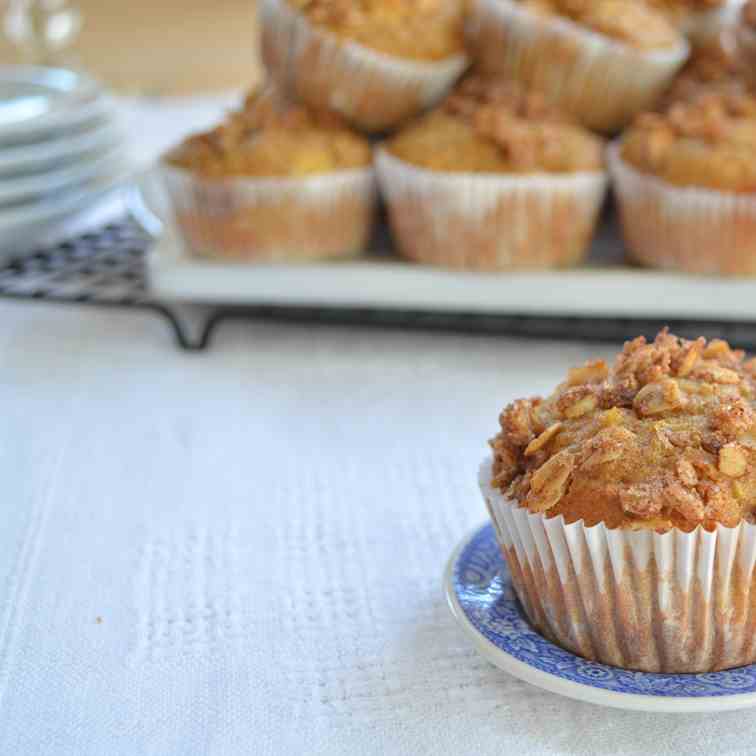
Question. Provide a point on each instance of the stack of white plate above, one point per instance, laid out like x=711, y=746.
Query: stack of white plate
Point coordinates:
x=60, y=152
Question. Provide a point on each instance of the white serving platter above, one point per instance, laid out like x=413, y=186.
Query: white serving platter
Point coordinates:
x=603, y=287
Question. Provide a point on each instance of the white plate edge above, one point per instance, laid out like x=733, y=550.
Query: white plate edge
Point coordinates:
x=63, y=178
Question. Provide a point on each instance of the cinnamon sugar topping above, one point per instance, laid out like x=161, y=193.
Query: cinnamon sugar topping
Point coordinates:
x=489, y=124
x=419, y=29
x=707, y=142
x=665, y=438
x=629, y=21
x=269, y=136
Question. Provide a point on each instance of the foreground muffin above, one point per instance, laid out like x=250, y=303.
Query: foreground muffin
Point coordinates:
x=376, y=62
x=493, y=180
x=603, y=61
x=624, y=505
x=273, y=182
x=685, y=183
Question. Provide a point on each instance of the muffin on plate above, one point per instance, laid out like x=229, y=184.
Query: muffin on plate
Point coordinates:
x=274, y=182
x=624, y=504
x=493, y=180
x=685, y=182
x=376, y=62
x=603, y=61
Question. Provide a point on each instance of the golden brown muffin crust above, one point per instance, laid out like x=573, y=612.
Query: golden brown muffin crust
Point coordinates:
x=268, y=137
x=492, y=126
x=709, y=142
x=426, y=30
x=664, y=438
x=628, y=21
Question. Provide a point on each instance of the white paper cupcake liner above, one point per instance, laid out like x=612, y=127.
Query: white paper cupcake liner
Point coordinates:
x=684, y=228
x=674, y=602
x=490, y=221
x=372, y=90
x=703, y=28
x=602, y=82
x=744, y=39
x=269, y=219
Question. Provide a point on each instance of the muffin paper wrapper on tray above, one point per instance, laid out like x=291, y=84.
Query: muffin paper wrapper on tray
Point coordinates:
x=374, y=91
x=601, y=82
x=744, y=38
x=490, y=221
x=673, y=602
x=703, y=28
x=269, y=219
x=684, y=228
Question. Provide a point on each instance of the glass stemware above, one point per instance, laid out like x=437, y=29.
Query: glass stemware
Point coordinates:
x=42, y=30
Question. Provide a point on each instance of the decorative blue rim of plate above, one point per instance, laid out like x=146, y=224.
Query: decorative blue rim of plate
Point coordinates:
x=480, y=594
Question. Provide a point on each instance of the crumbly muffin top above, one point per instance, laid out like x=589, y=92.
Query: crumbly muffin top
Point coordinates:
x=425, y=30
x=491, y=126
x=268, y=137
x=628, y=21
x=665, y=438
x=709, y=142
x=712, y=68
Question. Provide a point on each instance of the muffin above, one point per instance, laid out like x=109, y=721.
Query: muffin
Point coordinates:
x=376, y=62
x=702, y=21
x=685, y=182
x=274, y=181
x=624, y=505
x=492, y=180
x=603, y=61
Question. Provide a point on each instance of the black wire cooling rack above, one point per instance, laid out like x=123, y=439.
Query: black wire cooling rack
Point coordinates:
x=108, y=268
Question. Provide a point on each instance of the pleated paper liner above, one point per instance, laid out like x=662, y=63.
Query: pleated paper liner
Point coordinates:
x=684, y=228
x=703, y=28
x=601, y=82
x=270, y=219
x=674, y=602
x=373, y=90
x=490, y=221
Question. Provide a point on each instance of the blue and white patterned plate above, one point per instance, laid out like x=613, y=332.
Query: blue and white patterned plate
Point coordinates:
x=479, y=591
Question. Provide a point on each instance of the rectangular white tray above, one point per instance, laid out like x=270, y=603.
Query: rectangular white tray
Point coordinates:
x=605, y=287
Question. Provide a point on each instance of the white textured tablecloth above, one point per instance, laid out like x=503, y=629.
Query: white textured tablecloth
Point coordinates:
x=241, y=552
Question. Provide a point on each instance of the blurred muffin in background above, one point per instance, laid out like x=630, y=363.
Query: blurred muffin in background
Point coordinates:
x=275, y=181
x=493, y=180
x=376, y=62
x=603, y=61
x=685, y=181
x=702, y=21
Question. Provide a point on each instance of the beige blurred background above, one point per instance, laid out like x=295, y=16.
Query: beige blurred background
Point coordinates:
x=166, y=46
